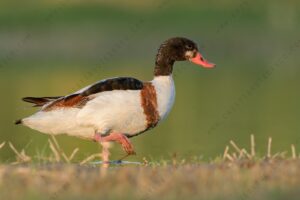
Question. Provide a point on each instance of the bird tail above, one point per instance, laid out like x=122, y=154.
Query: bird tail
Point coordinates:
x=40, y=101
x=19, y=121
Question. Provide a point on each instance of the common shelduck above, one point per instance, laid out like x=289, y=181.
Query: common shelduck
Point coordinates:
x=116, y=109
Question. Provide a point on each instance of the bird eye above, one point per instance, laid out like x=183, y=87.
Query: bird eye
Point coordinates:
x=188, y=46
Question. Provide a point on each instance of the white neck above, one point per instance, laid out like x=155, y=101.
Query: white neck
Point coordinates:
x=165, y=92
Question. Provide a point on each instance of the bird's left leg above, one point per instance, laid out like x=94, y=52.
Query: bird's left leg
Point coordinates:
x=114, y=137
x=121, y=139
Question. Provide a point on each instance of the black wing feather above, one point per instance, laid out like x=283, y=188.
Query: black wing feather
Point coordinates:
x=121, y=83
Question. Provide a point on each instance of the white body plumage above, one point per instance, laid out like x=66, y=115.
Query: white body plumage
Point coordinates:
x=110, y=111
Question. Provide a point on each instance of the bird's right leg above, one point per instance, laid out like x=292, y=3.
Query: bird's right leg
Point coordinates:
x=105, y=148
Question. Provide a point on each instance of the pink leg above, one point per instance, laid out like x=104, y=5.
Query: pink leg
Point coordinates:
x=105, y=149
x=117, y=137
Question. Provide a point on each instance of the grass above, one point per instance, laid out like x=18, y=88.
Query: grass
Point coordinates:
x=237, y=174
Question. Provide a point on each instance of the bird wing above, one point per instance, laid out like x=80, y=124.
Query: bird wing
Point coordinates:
x=81, y=97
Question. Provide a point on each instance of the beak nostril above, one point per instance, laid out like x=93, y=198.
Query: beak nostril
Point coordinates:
x=199, y=60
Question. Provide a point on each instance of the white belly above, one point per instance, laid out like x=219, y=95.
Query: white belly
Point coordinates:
x=113, y=111
x=58, y=122
x=116, y=111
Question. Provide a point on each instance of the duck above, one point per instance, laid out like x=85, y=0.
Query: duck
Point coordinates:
x=116, y=109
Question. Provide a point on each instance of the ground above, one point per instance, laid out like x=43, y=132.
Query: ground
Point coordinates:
x=237, y=174
x=242, y=179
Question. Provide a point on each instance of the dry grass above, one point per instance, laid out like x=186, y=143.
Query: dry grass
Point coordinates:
x=238, y=174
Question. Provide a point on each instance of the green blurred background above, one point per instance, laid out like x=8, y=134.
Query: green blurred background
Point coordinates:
x=56, y=47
